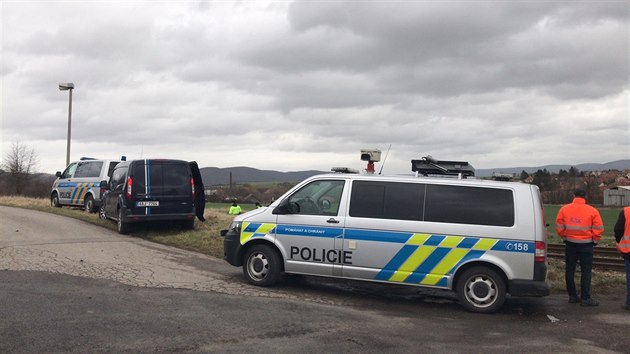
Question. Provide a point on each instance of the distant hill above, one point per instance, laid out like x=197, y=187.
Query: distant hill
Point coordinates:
x=614, y=165
x=240, y=175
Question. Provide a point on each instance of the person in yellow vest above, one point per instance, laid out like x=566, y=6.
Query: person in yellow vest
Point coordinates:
x=622, y=235
x=235, y=209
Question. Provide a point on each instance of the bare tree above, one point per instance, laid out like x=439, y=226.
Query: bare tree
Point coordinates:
x=19, y=165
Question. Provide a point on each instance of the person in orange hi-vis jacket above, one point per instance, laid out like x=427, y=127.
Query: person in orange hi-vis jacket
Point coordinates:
x=622, y=236
x=580, y=226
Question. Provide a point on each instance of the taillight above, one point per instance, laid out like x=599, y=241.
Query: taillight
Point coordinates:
x=541, y=252
x=129, y=184
x=192, y=185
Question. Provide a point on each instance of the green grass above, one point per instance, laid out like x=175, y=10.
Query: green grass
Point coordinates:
x=609, y=217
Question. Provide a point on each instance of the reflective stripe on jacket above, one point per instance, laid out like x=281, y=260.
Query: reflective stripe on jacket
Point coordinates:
x=579, y=222
x=624, y=244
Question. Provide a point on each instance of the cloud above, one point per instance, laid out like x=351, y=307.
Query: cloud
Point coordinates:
x=306, y=85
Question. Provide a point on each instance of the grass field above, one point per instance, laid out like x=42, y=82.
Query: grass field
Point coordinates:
x=205, y=237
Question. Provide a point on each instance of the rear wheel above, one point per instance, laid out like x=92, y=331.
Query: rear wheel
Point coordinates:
x=89, y=204
x=101, y=213
x=54, y=201
x=262, y=265
x=123, y=227
x=481, y=289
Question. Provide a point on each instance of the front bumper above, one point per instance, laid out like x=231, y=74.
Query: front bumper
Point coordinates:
x=128, y=217
x=232, y=248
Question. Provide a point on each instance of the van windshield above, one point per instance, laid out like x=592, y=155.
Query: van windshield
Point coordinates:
x=161, y=178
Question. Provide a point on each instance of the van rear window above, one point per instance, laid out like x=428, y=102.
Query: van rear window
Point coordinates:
x=161, y=179
x=469, y=205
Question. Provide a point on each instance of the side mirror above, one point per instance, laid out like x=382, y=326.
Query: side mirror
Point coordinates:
x=104, y=185
x=282, y=208
x=58, y=174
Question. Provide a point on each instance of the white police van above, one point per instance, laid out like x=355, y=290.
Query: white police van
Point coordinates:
x=79, y=184
x=480, y=238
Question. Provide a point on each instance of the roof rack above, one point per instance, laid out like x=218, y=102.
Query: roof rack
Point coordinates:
x=343, y=170
x=430, y=166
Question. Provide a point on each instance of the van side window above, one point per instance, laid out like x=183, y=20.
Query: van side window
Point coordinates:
x=118, y=179
x=318, y=198
x=470, y=205
x=69, y=172
x=387, y=200
x=88, y=169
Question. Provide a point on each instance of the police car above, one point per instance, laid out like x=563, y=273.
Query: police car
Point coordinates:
x=482, y=239
x=79, y=184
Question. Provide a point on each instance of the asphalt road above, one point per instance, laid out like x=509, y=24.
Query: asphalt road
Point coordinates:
x=68, y=286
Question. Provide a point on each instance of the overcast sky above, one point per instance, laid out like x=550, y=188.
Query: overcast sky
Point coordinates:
x=306, y=85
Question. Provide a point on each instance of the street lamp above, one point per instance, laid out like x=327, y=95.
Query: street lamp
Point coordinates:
x=69, y=86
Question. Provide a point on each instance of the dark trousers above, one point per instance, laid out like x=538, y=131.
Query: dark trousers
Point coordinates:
x=582, y=252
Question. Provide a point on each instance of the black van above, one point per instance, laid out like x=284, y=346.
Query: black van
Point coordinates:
x=153, y=190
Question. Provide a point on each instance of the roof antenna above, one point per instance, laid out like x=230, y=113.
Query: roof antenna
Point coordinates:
x=385, y=159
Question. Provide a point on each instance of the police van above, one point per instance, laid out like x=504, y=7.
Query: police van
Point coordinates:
x=482, y=239
x=79, y=184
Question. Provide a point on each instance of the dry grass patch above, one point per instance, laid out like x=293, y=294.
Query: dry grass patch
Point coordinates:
x=205, y=237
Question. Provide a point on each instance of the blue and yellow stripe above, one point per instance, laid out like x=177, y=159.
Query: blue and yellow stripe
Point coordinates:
x=431, y=259
x=252, y=229
x=80, y=190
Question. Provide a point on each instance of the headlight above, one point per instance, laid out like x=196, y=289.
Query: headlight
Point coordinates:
x=235, y=226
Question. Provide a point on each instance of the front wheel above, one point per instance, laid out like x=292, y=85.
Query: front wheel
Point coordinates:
x=54, y=201
x=262, y=265
x=481, y=289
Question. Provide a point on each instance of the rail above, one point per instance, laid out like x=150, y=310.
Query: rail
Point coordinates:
x=604, y=258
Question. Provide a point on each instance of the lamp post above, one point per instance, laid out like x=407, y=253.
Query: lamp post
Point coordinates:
x=68, y=86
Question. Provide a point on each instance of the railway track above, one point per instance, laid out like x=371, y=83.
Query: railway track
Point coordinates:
x=604, y=258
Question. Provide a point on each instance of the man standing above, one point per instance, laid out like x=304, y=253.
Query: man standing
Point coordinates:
x=580, y=226
x=622, y=235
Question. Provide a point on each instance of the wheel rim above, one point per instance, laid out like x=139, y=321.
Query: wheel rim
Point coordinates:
x=481, y=291
x=88, y=205
x=119, y=220
x=257, y=266
x=101, y=213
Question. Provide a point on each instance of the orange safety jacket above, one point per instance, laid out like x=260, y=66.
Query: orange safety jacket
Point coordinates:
x=579, y=222
x=624, y=244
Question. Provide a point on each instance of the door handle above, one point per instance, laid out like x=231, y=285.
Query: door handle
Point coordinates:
x=332, y=221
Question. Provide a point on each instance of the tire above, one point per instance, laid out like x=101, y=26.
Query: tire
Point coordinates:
x=481, y=289
x=54, y=201
x=89, y=204
x=262, y=265
x=123, y=227
x=101, y=213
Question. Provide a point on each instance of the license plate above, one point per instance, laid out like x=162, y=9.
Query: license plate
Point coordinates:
x=148, y=204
